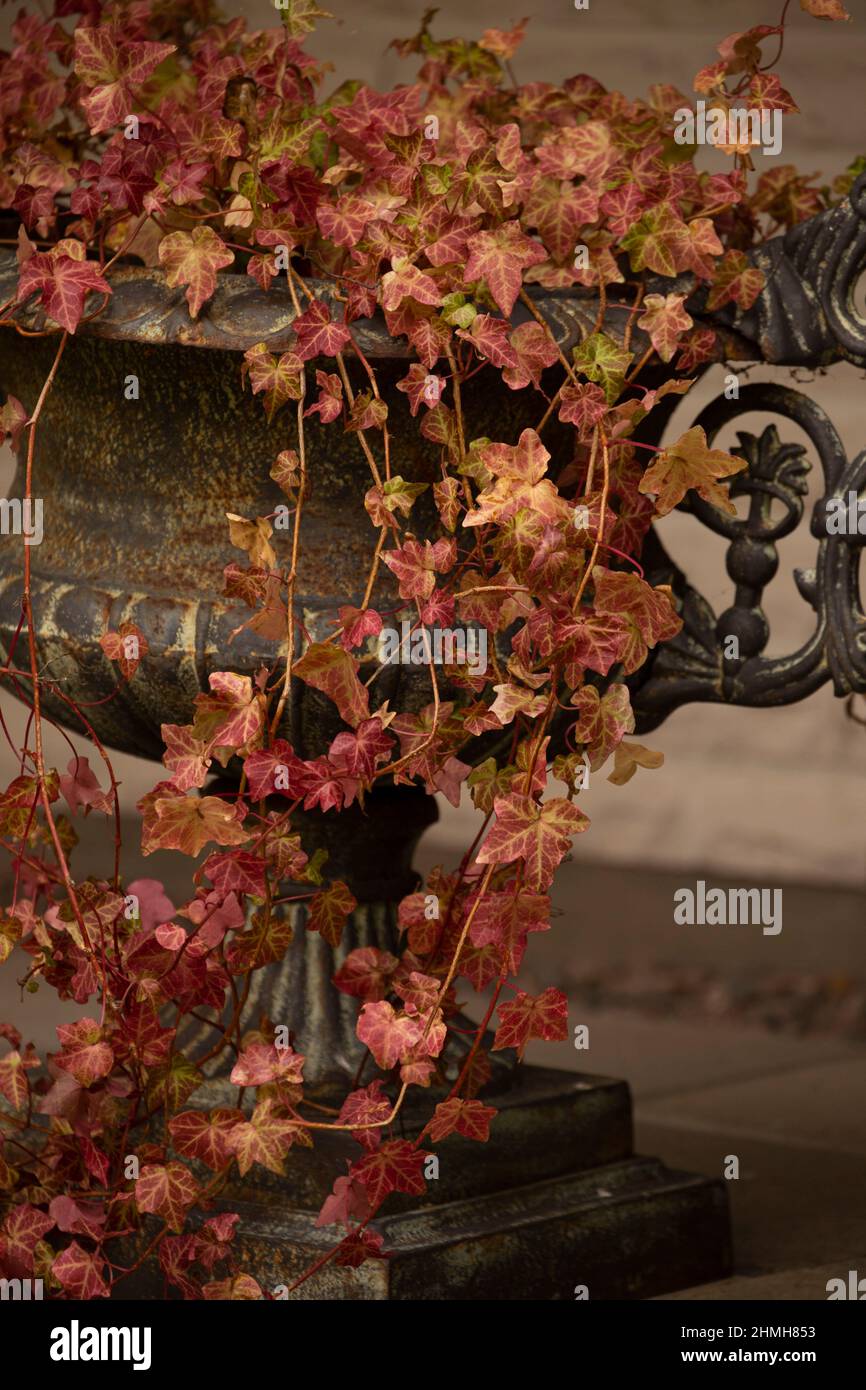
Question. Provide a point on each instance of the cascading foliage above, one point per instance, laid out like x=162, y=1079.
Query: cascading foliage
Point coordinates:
x=158, y=133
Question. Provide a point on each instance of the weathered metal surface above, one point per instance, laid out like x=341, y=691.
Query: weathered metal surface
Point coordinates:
x=628, y=1230
x=135, y=494
x=143, y=309
x=698, y=664
x=808, y=314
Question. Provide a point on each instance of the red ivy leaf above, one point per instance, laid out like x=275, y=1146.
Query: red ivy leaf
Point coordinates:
x=527, y=1016
x=389, y=1036
x=63, y=282
x=202, y=1134
x=23, y=1228
x=329, y=910
x=167, y=1190
x=81, y=1272
x=333, y=671
x=396, y=1166
x=467, y=1117
x=85, y=1055
x=317, y=334
x=193, y=259
x=538, y=834
x=188, y=823
x=126, y=646
x=366, y=973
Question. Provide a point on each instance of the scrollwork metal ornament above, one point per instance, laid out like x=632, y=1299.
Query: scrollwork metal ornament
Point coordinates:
x=806, y=316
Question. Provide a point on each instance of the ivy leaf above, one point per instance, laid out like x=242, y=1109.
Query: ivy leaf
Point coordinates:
x=690, y=463
x=406, y=281
x=81, y=788
x=333, y=671
x=583, y=149
x=14, y=1084
x=20, y=1233
x=261, y=1063
x=357, y=624
x=241, y=1288
x=167, y=1190
x=366, y=973
x=665, y=320
x=499, y=258
x=18, y=801
x=80, y=1271
x=286, y=471
x=109, y=63
x=557, y=209
x=538, y=834
x=416, y=565
x=255, y=538
x=63, y=278
x=703, y=247
x=600, y=358
x=825, y=9
x=278, y=377
x=127, y=646
x=262, y=766
x=520, y=483
x=85, y=1054
x=446, y=495
x=697, y=347
x=603, y=720
x=366, y=1106
x=214, y=1238
x=396, y=1166
x=422, y=387
x=467, y=1117
x=330, y=403
x=193, y=259
x=534, y=349
x=360, y=1245
x=236, y=872
x=188, y=823
x=503, y=920
x=240, y=706
x=647, y=613
x=299, y=17
x=185, y=756
x=736, y=279
x=347, y=1202
x=489, y=337
x=582, y=406
x=329, y=910
x=512, y=699
x=317, y=334
x=266, y=1138
x=170, y=1086
x=390, y=1036
x=202, y=1134
x=358, y=755
x=13, y=418
x=526, y=1017
x=628, y=758
x=658, y=241
x=267, y=940
x=504, y=43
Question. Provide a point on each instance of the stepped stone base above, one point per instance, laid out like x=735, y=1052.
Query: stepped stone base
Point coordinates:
x=554, y=1201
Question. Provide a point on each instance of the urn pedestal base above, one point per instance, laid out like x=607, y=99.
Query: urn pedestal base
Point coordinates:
x=554, y=1201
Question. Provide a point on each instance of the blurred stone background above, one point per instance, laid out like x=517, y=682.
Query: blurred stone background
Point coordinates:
x=724, y=1033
